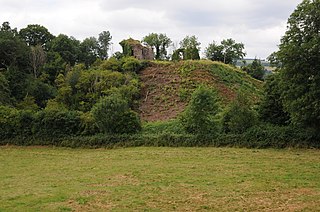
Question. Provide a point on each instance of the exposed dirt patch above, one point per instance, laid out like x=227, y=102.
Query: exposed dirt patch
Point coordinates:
x=160, y=93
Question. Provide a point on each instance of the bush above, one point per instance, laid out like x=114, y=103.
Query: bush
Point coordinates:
x=15, y=123
x=88, y=124
x=112, y=64
x=131, y=64
x=52, y=123
x=113, y=115
x=239, y=116
x=199, y=116
x=8, y=122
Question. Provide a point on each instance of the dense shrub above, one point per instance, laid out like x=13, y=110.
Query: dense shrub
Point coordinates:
x=25, y=122
x=162, y=127
x=112, y=64
x=8, y=121
x=199, y=116
x=52, y=123
x=15, y=123
x=113, y=115
x=239, y=116
x=131, y=64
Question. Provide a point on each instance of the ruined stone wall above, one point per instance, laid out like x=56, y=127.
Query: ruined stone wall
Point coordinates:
x=142, y=52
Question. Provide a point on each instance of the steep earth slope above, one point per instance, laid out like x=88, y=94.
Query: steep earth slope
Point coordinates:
x=167, y=86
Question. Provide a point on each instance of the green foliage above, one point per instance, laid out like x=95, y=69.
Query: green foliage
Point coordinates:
x=82, y=89
x=52, y=123
x=13, y=51
x=111, y=64
x=228, y=52
x=67, y=47
x=89, y=49
x=190, y=47
x=28, y=103
x=15, y=123
x=163, y=127
x=41, y=91
x=199, y=116
x=239, y=116
x=88, y=124
x=104, y=44
x=35, y=34
x=271, y=107
x=4, y=90
x=299, y=55
x=113, y=115
x=131, y=64
x=255, y=69
x=8, y=121
x=159, y=42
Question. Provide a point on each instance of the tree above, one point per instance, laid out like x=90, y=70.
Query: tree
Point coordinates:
x=4, y=90
x=104, y=44
x=228, y=52
x=255, y=69
x=35, y=34
x=239, y=116
x=190, y=47
x=199, y=116
x=89, y=49
x=271, y=107
x=159, y=42
x=67, y=47
x=13, y=51
x=113, y=115
x=299, y=54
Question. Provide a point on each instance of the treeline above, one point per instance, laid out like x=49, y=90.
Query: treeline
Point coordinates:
x=55, y=87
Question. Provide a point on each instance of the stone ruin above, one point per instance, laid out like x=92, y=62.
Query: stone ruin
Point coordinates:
x=135, y=49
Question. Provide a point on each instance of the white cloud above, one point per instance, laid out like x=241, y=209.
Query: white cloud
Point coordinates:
x=259, y=24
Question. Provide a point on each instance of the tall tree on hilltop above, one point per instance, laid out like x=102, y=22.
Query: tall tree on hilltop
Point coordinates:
x=160, y=43
x=191, y=48
x=104, y=44
x=227, y=52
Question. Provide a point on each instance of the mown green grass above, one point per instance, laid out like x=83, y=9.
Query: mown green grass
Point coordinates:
x=159, y=179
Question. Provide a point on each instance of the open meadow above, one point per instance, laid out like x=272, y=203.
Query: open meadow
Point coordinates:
x=159, y=179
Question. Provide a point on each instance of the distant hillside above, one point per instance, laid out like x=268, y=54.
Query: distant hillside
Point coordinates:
x=167, y=86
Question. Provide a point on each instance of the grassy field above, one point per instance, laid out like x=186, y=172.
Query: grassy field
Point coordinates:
x=158, y=179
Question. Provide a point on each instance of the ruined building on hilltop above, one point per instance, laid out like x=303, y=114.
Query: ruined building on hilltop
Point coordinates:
x=135, y=49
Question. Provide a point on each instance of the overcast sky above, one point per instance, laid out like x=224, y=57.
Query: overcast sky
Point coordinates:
x=259, y=24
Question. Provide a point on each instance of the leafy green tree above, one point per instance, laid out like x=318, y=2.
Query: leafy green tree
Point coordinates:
x=199, y=116
x=271, y=107
x=67, y=47
x=228, y=52
x=113, y=115
x=54, y=66
x=255, y=69
x=104, y=44
x=14, y=61
x=35, y=34
x=89, y=49
x=159, y=42
x=191, y=48
x=13, y=51
x=299, y=54
x=239, y=116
